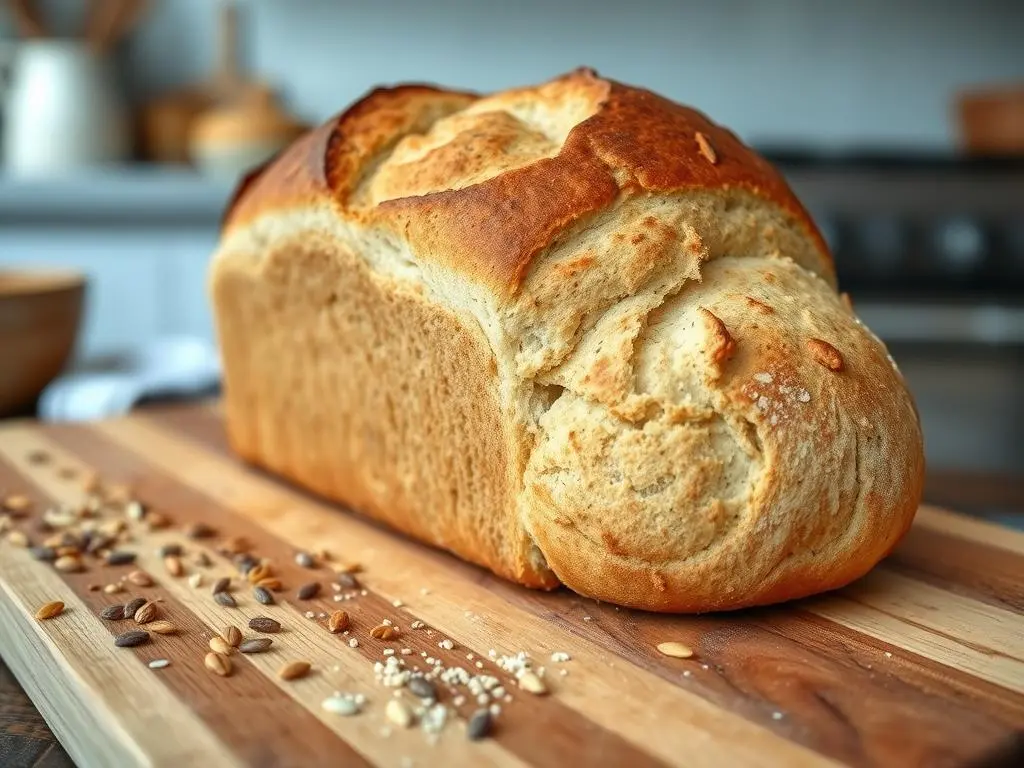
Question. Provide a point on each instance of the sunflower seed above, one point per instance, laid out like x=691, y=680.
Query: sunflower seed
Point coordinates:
x=245, y=563
x=202, y=560
x=305, y=560
x=112, y=613
x=218, y=664
x=225, y=599
x=45, y=554
x=255, y=645
x=309, y=591
x=264, y=624
x=199, y=531
x=169, y=550
x=338, y=622
x=119, y=557
x=263, y=596
x=220, y=585
x=294, y=670
x=132, y=607
x=50, y=610
x=479, y=725
x=131, y=638
x=422, y=688
x=348, y=581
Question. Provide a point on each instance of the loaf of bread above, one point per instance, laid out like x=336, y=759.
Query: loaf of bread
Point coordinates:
x=574, y=333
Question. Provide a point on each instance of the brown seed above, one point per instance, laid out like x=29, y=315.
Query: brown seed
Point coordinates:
x=161, y=627
x=218, y=664
x=255, y=645
x=38, y=457
x=199, y=531
x=309, y=591
x=384, y=632
x=338, y=622
x=112, y=613
x=202, y=560
x=131, y=638
x=69, y=564
x=140, y=579
x=94, y=587
x=49, y=610
x=676, y=650
x=156, y=521
x=706, y=149
x=17, y=539
x=17, y=503
x=67, y=473
x=45, y=554
x=263, y=595
x=245, y=563
x=146, y=613
x=294, y=670
x=258, y=573
x=119, y=493
x=68, y=551
x=167, y=550
x=233, y=635
x=132, y=607
x=90, y=482
x=119, y=557
x=422, y=688
x=220, y=585
x=272, y=583
x=264, y=624
x=479, y=725
x=220, y=645
x=225, y=599
x=112, y=589
x=174, y=566
x=825, y=354
x=235, y=545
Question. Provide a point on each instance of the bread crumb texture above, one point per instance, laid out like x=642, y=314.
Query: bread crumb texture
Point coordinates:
x=543, y=330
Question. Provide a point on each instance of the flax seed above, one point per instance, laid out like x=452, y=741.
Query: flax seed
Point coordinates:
x=264, y=624
x=225, y=599
x=119, y=557
x=220, y=585
x=131, y=638
x=255, y=645
x=132, y=607
x=309, y=591
x=263, y=596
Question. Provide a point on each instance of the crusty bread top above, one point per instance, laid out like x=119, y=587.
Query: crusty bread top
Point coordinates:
x=486, y=184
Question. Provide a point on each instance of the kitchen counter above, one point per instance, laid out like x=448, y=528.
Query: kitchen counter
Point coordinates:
x=26, y=741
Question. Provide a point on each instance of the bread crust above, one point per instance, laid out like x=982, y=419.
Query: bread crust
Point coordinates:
x=680, y=412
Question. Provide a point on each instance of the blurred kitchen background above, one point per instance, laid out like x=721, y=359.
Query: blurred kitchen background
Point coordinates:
x=901, y=126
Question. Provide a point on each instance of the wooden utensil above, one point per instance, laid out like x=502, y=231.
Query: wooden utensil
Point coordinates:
x=919, y=663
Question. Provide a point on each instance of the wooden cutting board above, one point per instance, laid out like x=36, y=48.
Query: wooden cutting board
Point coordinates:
x=920, y=663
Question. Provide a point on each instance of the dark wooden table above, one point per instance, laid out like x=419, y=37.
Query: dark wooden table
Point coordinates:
x=27, y=742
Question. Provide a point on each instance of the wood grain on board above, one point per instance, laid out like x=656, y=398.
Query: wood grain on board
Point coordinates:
x=920, y=663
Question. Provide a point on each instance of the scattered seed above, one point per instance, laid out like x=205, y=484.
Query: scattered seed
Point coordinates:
x=17, y=539
x=174, y=566
x=263, y=596
x=131, y=638
x=199, y=531
x=17, y=503
x=90, y=482
x=49, y=610
x=294, y=670
x=112, y=589
x=133, y=509
x=161, y=627
x=676, y=650
x=218, y=664
x=706, y=149
x=255, y=645
x=38, y=457
x=340, y=704
x=220, y=585
x=399, y=713
x=195, y=580
x=44, y=554
x=225, y=599
x=264, y=624
x=305, y=560
x=159, y=663
x=338, y=622
x=258, y=572
x=309, y=591
x=169, y=550
x=271, y=582
x=132, y=607
x=236, y=545
x=422, y=688
x=202, y=560
x=219, y=645
x=531, y=683
x=112, y=613
x=347, y=580
x=147, y=613
x=69, y=551
x=479, y=726
x=156, y=520
x=119, y=557
x=140, y=579
x=383, y=632
x=69, y=564
x=232, y=634
x=93, y=587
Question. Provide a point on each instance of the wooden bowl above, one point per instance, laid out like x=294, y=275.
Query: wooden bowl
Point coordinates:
x=40, y=313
